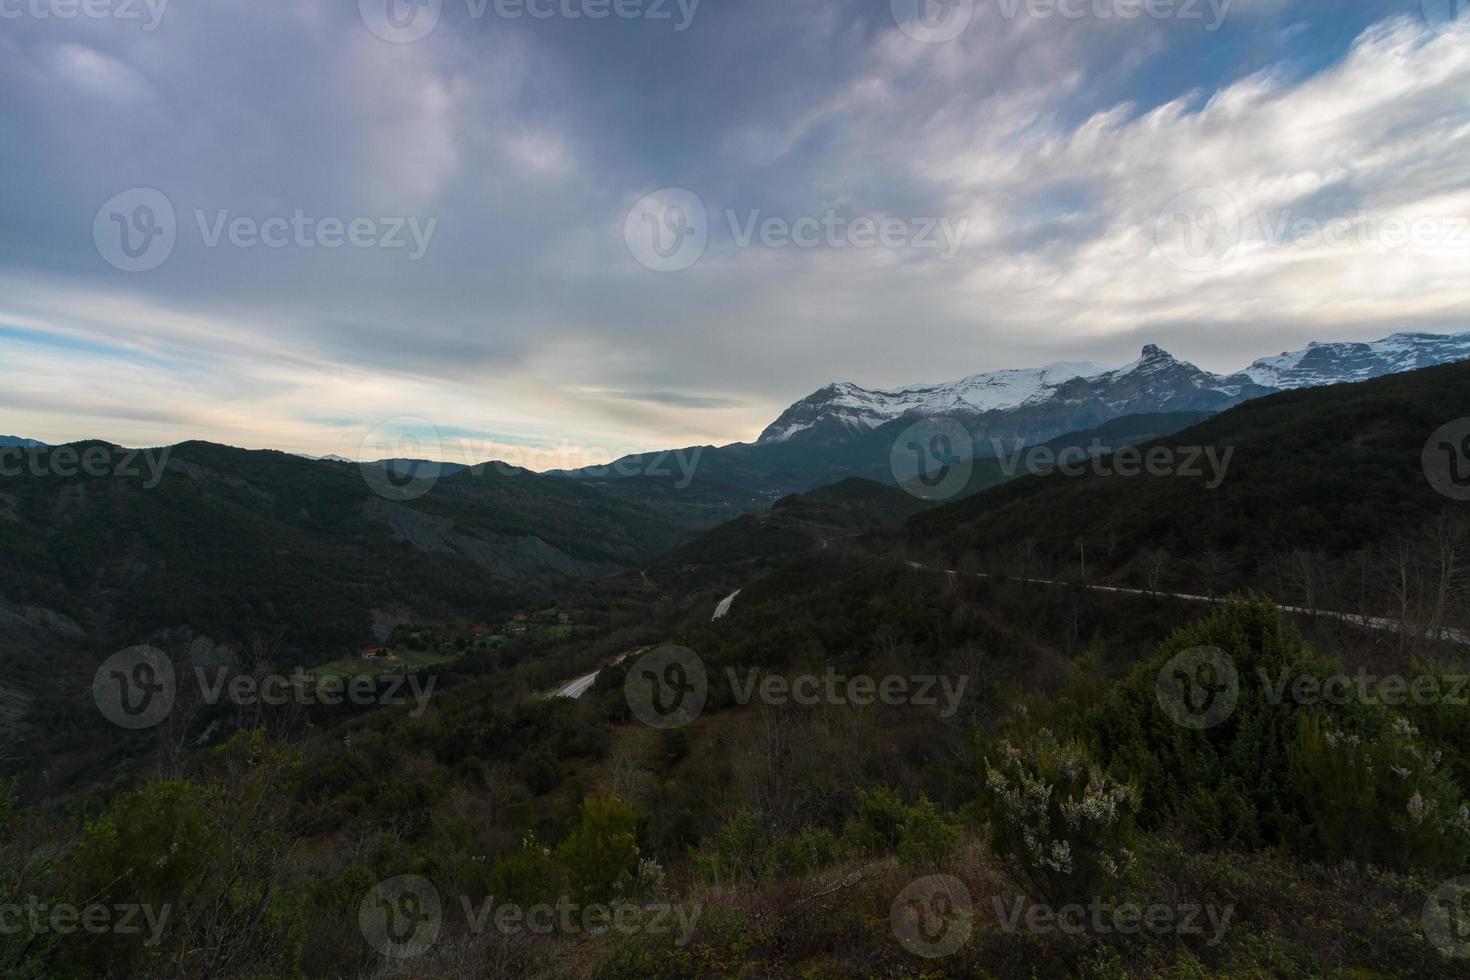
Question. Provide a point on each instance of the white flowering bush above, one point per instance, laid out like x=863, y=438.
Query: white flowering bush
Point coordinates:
x=1380, y=796
x=1063, y=825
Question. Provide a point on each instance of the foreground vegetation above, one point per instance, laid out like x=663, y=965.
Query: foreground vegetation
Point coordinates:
x=1296, y=840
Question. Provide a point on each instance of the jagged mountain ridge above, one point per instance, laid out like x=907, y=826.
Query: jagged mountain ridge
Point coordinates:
x=1156, y=382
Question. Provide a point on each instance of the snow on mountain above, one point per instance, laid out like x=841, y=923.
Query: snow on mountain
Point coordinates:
x=1039, y=400
x=1324, y=364
x=862, y=409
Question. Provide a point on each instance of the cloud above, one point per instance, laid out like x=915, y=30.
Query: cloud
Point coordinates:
x=1060, y=142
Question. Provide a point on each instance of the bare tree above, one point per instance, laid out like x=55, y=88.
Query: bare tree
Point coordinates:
x=1447, y=565
x=1302, y=569
x=1213, y=565
x=1399, y=562
x=1154, y=562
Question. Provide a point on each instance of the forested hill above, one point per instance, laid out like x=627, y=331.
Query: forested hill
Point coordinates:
x=230, y=542
x=1313, y=477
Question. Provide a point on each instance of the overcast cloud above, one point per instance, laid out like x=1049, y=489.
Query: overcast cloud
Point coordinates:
x=1047, y=188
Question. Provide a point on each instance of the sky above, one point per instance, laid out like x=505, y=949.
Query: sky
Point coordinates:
x=558, y=231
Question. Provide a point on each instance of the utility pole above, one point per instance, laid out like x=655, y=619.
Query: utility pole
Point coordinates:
x=1082, y=549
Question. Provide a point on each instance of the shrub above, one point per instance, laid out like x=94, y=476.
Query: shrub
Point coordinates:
x=799, y=854
x=1062, y=825
x=1229, y=784
x=734, y=853
x=885, y=824
x=1380, y=799
x=928, y=839
x=601, y=853
x=527, y=876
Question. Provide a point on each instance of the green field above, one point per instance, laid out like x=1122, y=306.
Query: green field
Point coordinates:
x=407, y=663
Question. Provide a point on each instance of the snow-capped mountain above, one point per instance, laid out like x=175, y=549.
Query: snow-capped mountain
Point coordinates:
x=1040, y=403
x=1325, y=364
x=860, y=409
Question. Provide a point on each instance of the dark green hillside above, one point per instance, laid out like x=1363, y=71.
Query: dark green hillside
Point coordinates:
x=794, y=524
x=232, y=543
x=998, y=462
x=1316, y=477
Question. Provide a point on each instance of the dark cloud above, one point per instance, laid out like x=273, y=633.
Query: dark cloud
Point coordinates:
x=525, y=142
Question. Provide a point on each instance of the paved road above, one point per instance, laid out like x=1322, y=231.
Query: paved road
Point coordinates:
x=575, y=689
x=578, y=687
x=1367, y=622
x=723, y=609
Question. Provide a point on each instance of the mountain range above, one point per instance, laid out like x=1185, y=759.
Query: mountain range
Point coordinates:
x=844, y=430
x=1157, y=382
